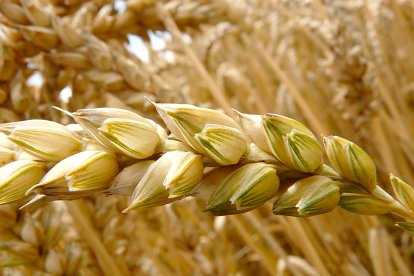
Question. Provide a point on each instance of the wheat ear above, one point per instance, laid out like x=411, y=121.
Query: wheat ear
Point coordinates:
x=234, y=166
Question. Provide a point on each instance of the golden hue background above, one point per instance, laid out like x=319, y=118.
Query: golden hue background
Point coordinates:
x=341, y=67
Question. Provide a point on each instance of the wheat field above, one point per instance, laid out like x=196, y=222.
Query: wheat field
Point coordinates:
x=220, y=137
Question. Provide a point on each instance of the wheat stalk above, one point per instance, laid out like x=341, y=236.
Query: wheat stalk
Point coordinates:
x=234, y=167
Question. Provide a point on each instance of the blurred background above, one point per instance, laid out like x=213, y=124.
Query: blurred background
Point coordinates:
x=342, y=67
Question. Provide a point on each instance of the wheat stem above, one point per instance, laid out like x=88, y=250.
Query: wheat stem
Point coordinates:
x=403, y=268
x=247, y=237
x=303, y=103
x=215, y=91
x=82, y=222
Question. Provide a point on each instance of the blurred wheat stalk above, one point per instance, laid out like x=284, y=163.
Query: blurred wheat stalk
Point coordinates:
x=342, y=67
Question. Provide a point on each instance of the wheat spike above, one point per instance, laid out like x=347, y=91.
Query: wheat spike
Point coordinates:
x=297, y=156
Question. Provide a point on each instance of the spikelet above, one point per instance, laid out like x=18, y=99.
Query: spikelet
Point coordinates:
x=290, y=141
x=351, y=162
x=244, y=189
x=403, y=191
x=309, y=196
x=122, y=131
x=17, y=177
x=171, y=177
x=43, y=139
x=209, y=132
x=78, y=175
